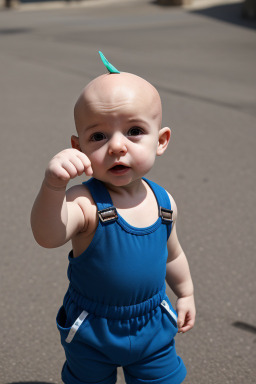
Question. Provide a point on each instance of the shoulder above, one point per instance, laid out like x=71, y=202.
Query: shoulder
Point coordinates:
x=174, y=207
x=162, y=190
x=80, y=196
x=79, y=191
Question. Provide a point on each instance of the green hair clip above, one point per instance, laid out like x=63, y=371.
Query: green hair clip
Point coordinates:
x=107, y=64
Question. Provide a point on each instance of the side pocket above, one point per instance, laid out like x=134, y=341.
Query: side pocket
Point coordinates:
x=170, y=312
x=67, y=333
x=77, y=324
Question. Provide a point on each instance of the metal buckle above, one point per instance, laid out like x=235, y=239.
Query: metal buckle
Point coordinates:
x=108, y=214
x=166, y=214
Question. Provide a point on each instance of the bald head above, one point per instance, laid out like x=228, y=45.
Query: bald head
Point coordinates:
x=110, y=93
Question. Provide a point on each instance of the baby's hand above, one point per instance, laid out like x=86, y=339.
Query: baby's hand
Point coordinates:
x=185, y=307
x=66, y=165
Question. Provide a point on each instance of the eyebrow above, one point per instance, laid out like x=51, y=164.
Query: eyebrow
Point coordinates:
x=134, y=120
x=92, y=126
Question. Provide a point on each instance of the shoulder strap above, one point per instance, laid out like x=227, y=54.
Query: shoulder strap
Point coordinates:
x=106, y=211
x=164, y=204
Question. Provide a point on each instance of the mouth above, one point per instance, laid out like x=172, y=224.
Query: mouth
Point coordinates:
x=119, y=169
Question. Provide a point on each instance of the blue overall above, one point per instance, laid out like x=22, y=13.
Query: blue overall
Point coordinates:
x=116, y=312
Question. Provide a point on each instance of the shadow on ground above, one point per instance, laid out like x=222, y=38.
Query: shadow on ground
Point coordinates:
x=229, y=13
x=245, y=327
x=31, y=382
x=38, y=1
x=14, y=31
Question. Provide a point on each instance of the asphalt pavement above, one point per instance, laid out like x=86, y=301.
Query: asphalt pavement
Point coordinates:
x=202, y=61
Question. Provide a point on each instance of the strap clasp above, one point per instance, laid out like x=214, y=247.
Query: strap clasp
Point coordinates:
x=108, y=214
x=166, y=215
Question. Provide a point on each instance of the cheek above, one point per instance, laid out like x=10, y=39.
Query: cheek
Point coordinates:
x=95, y=160
x=150, y=148
x=94, y=154
x=98, y=161
x=146, y=157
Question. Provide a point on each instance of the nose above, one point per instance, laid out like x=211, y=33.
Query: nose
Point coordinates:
x=117, y=145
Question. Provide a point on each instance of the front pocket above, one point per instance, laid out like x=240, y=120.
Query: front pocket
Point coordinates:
x=68, y=333
x=170, y=311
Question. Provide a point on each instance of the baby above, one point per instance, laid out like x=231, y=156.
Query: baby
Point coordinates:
x=124, y=241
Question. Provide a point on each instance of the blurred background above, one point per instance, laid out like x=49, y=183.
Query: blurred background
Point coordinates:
x=201, y=56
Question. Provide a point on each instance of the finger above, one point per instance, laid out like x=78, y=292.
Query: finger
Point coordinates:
x=69, y=167
x=58, y=172
x=85, y=159
x=189, y=324
x=185, y=329
x=82, y=164
x=78, y=164
x=181, y=320
x=86, y=163
x=88, y=171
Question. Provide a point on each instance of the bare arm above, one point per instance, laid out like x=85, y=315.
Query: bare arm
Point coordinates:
x=179, y=279
x=54, y=219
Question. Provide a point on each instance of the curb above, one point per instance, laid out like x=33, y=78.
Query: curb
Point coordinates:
x=76, y=4
x=68, y=4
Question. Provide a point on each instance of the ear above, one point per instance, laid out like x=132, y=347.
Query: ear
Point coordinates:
x=163, y=140
x=75, y=142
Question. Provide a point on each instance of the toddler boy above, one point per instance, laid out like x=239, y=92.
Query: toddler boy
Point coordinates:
x=124, y=241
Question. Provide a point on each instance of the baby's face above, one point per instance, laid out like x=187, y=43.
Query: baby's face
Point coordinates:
x=118, y=118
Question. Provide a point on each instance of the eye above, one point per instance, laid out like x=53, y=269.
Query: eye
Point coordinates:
x=97, y=136
x=135, y=131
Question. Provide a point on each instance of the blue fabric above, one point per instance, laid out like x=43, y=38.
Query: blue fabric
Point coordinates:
x=144, y=346
x=123, y=265
x=120, y=281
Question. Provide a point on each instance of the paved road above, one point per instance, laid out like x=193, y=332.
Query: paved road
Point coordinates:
x=203, y=63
